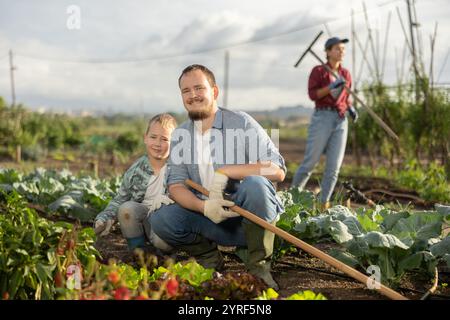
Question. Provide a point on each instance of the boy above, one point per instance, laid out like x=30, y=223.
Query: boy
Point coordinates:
x=143, y=188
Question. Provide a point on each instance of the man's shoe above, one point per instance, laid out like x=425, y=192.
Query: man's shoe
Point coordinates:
x=259, y=251
x=205, y=253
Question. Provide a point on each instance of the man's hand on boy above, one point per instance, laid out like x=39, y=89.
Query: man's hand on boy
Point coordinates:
x=156, y=203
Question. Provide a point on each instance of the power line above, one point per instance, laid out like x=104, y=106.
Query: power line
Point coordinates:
x=195, y=52
x=443, y=65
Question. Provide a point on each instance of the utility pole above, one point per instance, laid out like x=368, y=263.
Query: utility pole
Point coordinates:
x=18, y=119
x=226, y=77
x=11, y=73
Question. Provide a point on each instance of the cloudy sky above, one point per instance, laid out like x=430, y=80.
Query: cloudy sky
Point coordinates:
x=126, y=56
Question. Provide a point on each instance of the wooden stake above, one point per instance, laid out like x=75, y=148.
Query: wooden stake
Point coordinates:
x=365, y=59
x=413, y=47
x=372, y=45
x=355, y=150
x=386, y=38
x=432, y=41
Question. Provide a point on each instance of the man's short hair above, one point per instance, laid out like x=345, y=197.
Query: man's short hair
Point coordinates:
x=165, y=119
x=208, y=73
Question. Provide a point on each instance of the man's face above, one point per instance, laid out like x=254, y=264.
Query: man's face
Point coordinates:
x=157, y=141
x=198, y=95
x=337, y=52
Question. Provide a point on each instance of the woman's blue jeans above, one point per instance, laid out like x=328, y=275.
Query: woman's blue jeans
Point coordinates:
x=327, y=134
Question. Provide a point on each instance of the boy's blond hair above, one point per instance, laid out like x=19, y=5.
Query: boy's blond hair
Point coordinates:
x=165, y=119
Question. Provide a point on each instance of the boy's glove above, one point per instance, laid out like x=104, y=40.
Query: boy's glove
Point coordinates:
x=156, y=203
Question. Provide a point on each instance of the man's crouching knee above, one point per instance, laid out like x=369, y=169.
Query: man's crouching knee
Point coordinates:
x=155, y=240
x=159, y=243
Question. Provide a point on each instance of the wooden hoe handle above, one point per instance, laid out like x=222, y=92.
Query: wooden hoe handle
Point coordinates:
x=388, y=292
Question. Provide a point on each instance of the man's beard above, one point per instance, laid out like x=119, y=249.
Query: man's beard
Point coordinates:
x=196, y=115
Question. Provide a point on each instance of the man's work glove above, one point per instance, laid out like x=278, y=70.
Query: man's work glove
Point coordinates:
x=156, y=203
x=336, y=84
x=353, y=113
x=215, y=211
x=218, y=185
x=102, y=227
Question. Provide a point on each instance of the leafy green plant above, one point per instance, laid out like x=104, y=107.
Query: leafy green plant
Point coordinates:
x=431, y=183
x=271, y=294
x=421, y=123
x=192, y=272
x=34, y=250
x=187, y=281
x=297, y=204
x=62, y=192
x=397, y=242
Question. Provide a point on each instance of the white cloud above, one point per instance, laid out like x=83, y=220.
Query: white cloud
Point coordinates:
x=215, y=31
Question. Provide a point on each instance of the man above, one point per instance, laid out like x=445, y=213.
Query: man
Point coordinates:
x=328, y=128
x=227, y=151
x=143, y=188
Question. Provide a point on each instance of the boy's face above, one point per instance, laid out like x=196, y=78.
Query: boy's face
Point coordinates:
x=157, y=141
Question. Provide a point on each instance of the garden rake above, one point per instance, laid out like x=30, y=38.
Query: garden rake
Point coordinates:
x=352, y=93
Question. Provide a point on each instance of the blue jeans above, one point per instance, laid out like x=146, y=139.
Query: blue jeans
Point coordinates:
x=327, y=133
x=179, y=226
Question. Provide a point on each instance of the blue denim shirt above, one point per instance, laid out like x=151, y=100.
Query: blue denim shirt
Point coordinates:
x=236, y=138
